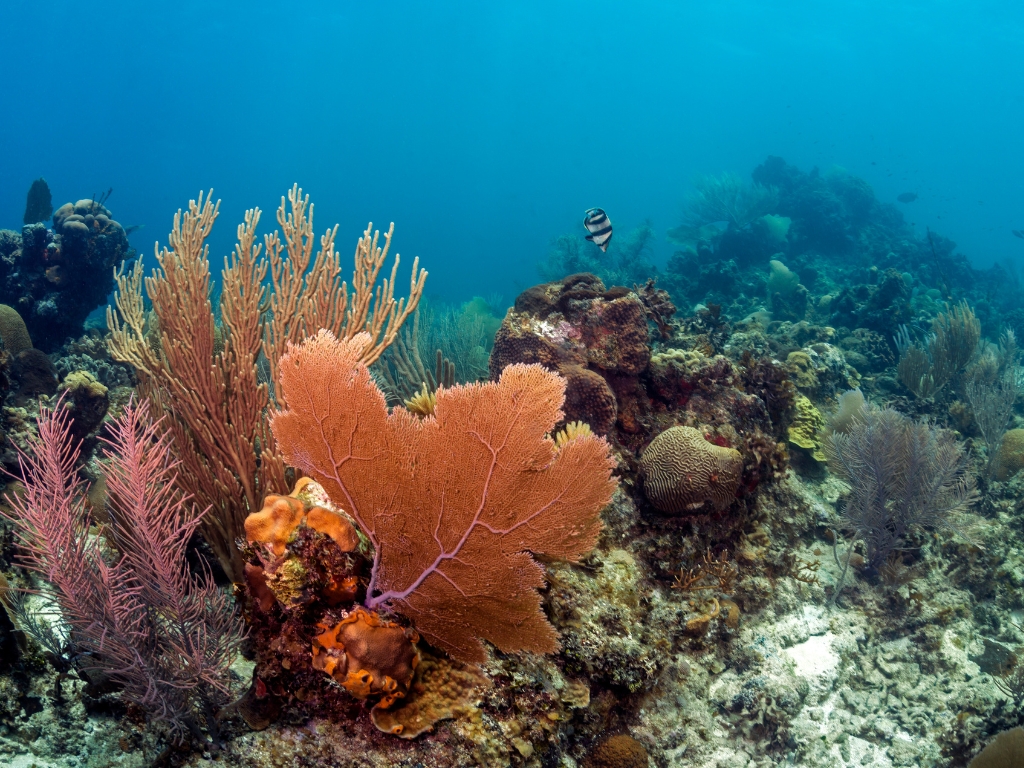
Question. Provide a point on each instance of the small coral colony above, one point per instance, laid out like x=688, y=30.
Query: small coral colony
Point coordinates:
x=292, y=496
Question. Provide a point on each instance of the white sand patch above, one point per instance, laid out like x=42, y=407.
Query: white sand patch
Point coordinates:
x=816, y=660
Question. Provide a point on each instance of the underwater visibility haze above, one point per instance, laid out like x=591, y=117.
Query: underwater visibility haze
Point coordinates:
x=685, y=431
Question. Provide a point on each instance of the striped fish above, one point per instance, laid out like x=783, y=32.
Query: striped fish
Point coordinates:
x=600, y=228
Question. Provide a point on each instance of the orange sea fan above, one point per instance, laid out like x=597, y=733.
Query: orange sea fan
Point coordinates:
x=454, y=503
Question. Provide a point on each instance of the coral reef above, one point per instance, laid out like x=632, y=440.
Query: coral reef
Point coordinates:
x=55, y=277
x=797, y=565
x=489, y=485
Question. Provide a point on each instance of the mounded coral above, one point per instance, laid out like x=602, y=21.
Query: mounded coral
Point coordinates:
x=13, y=331
x=1011, y=455
x=596, y=338
x=588, y=398
x=1006, y=750
x=801, y=370
x=683, y=471
x=575, y=320
x=620, y=751
x=35, y=375
x=88, y=401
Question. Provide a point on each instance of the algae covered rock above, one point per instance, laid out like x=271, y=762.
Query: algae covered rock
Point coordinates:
x=806, y=427
x=88, y=400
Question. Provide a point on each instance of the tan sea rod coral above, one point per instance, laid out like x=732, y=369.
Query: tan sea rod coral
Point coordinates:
x=214, y=372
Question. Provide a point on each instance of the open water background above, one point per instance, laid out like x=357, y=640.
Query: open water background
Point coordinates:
x=485, y=129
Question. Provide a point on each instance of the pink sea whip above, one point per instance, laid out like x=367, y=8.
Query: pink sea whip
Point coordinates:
x=136, y=615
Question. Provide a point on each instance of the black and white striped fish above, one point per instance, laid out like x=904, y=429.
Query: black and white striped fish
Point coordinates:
x=600, y=228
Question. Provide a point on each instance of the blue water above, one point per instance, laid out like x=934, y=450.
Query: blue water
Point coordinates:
x=484, y=130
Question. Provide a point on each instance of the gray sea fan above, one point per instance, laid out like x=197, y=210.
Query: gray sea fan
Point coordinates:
x=902, y=474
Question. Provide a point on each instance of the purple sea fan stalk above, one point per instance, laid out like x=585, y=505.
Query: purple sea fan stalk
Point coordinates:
x=137, y=615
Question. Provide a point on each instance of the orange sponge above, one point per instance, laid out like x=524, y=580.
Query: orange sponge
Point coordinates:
x=281, y=515
x=368, y=655
x=273, y=524
x=334, y=525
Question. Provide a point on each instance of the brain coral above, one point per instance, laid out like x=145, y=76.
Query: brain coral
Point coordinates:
x=1011, y=454
x=682, y=471
x=13, y=330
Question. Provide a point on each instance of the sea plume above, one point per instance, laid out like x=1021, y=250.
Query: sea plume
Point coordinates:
x=139, y=617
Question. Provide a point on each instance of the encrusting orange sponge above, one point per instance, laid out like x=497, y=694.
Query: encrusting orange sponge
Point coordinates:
x=281, y=515
x=273, y=524
x=335, y=526
x=368, y=655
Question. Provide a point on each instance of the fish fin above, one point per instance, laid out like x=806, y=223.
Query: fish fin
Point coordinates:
x=589, y=237
x=604, y=246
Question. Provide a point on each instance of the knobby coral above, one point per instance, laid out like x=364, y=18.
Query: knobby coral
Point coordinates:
x=454, y=503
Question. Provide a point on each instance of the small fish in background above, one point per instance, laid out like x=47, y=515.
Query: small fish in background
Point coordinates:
x=1018, y=233
x=600, y=228
x=907, y=197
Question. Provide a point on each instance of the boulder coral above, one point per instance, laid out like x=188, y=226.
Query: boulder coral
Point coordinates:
x=619, y=751
x=1010, y=459
x=13, y=331
x=683, y=472
x=594, y=337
